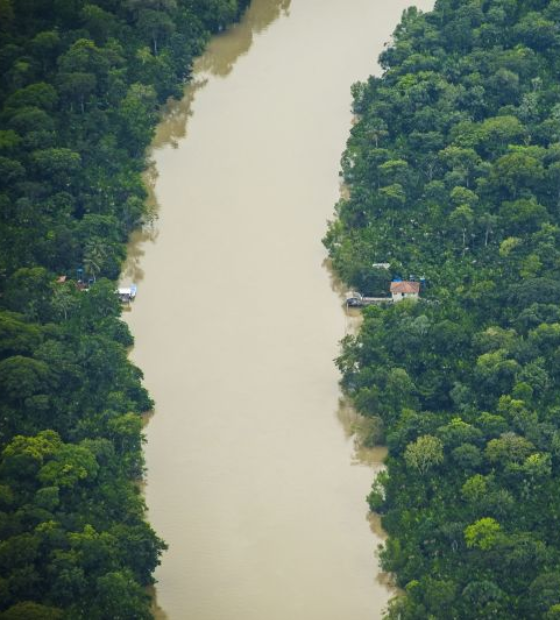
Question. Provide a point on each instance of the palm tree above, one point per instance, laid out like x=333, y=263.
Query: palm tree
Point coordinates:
x=64, y=300
x=94, y=257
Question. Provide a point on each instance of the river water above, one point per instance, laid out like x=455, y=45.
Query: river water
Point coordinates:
x=252, y=477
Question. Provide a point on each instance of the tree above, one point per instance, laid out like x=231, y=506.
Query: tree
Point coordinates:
x=536, y=31
x=84, y=56
x=545, y=591
x=484, y=534
x=462, y=220
x=77, y=87
x=522, y=216
x=515, y=172
x=137, y=114
x=217, y=13
x=458, y=432
x=461, y=160
x=65, y=299
x=467, y=456
x=32, y=611
x=58, y=165
x=22, y=377
x=475, y=488
x=95, y=255
x=498, y=132
x=440, y=595
x=69, y=466
x=509, y=448
x=17, y=336
x=485, y=599
x=100, y=23
x=11, y=171
x=155, y=25
x=24, y=456
x=424, y=454
x=30, y=119
x=45, y=46
x=394, y=196
x=6, y=15
x=121, y=597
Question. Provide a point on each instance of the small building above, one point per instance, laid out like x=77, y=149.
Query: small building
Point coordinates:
x=404, y=290
x=127, y=293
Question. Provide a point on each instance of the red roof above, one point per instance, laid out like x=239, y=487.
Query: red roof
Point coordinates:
x=405, y=287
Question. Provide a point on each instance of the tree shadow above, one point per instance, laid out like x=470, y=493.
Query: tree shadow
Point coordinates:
x=218, y=60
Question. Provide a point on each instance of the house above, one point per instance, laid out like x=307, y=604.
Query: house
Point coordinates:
x=404, y=290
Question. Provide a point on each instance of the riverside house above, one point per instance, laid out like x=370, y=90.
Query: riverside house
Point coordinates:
x=404, y=290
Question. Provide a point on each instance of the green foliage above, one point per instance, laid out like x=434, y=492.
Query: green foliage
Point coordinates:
x=424, y=454
x=484, y=534
x=452, y=170
x=81, y=84
x=32, y=611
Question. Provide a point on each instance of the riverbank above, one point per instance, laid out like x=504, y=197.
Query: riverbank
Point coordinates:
x=267, y=519
x=80, y=88
x=452, y=175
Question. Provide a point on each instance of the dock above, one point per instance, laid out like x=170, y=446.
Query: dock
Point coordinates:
x=356, y=300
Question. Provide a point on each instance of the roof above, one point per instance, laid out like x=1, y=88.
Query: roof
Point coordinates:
x=353, y=295
x=405, y=287
x=128, y=290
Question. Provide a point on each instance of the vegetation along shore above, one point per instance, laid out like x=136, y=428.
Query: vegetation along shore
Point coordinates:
x=80, y=87
x=453, y=168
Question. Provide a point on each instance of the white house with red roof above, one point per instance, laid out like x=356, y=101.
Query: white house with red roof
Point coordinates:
x=404, y=290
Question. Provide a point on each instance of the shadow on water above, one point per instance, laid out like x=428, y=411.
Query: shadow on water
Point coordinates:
x=218, y=60
x=366, y=432
x=157, y=611
x=223, y=51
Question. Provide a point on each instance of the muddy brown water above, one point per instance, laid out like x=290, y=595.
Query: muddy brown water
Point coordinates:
x=253, y=479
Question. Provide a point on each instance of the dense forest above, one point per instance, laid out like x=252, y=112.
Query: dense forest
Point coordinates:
x=453, y=170
x=80, y=86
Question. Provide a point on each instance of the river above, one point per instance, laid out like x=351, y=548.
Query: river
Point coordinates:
x=252, y=476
